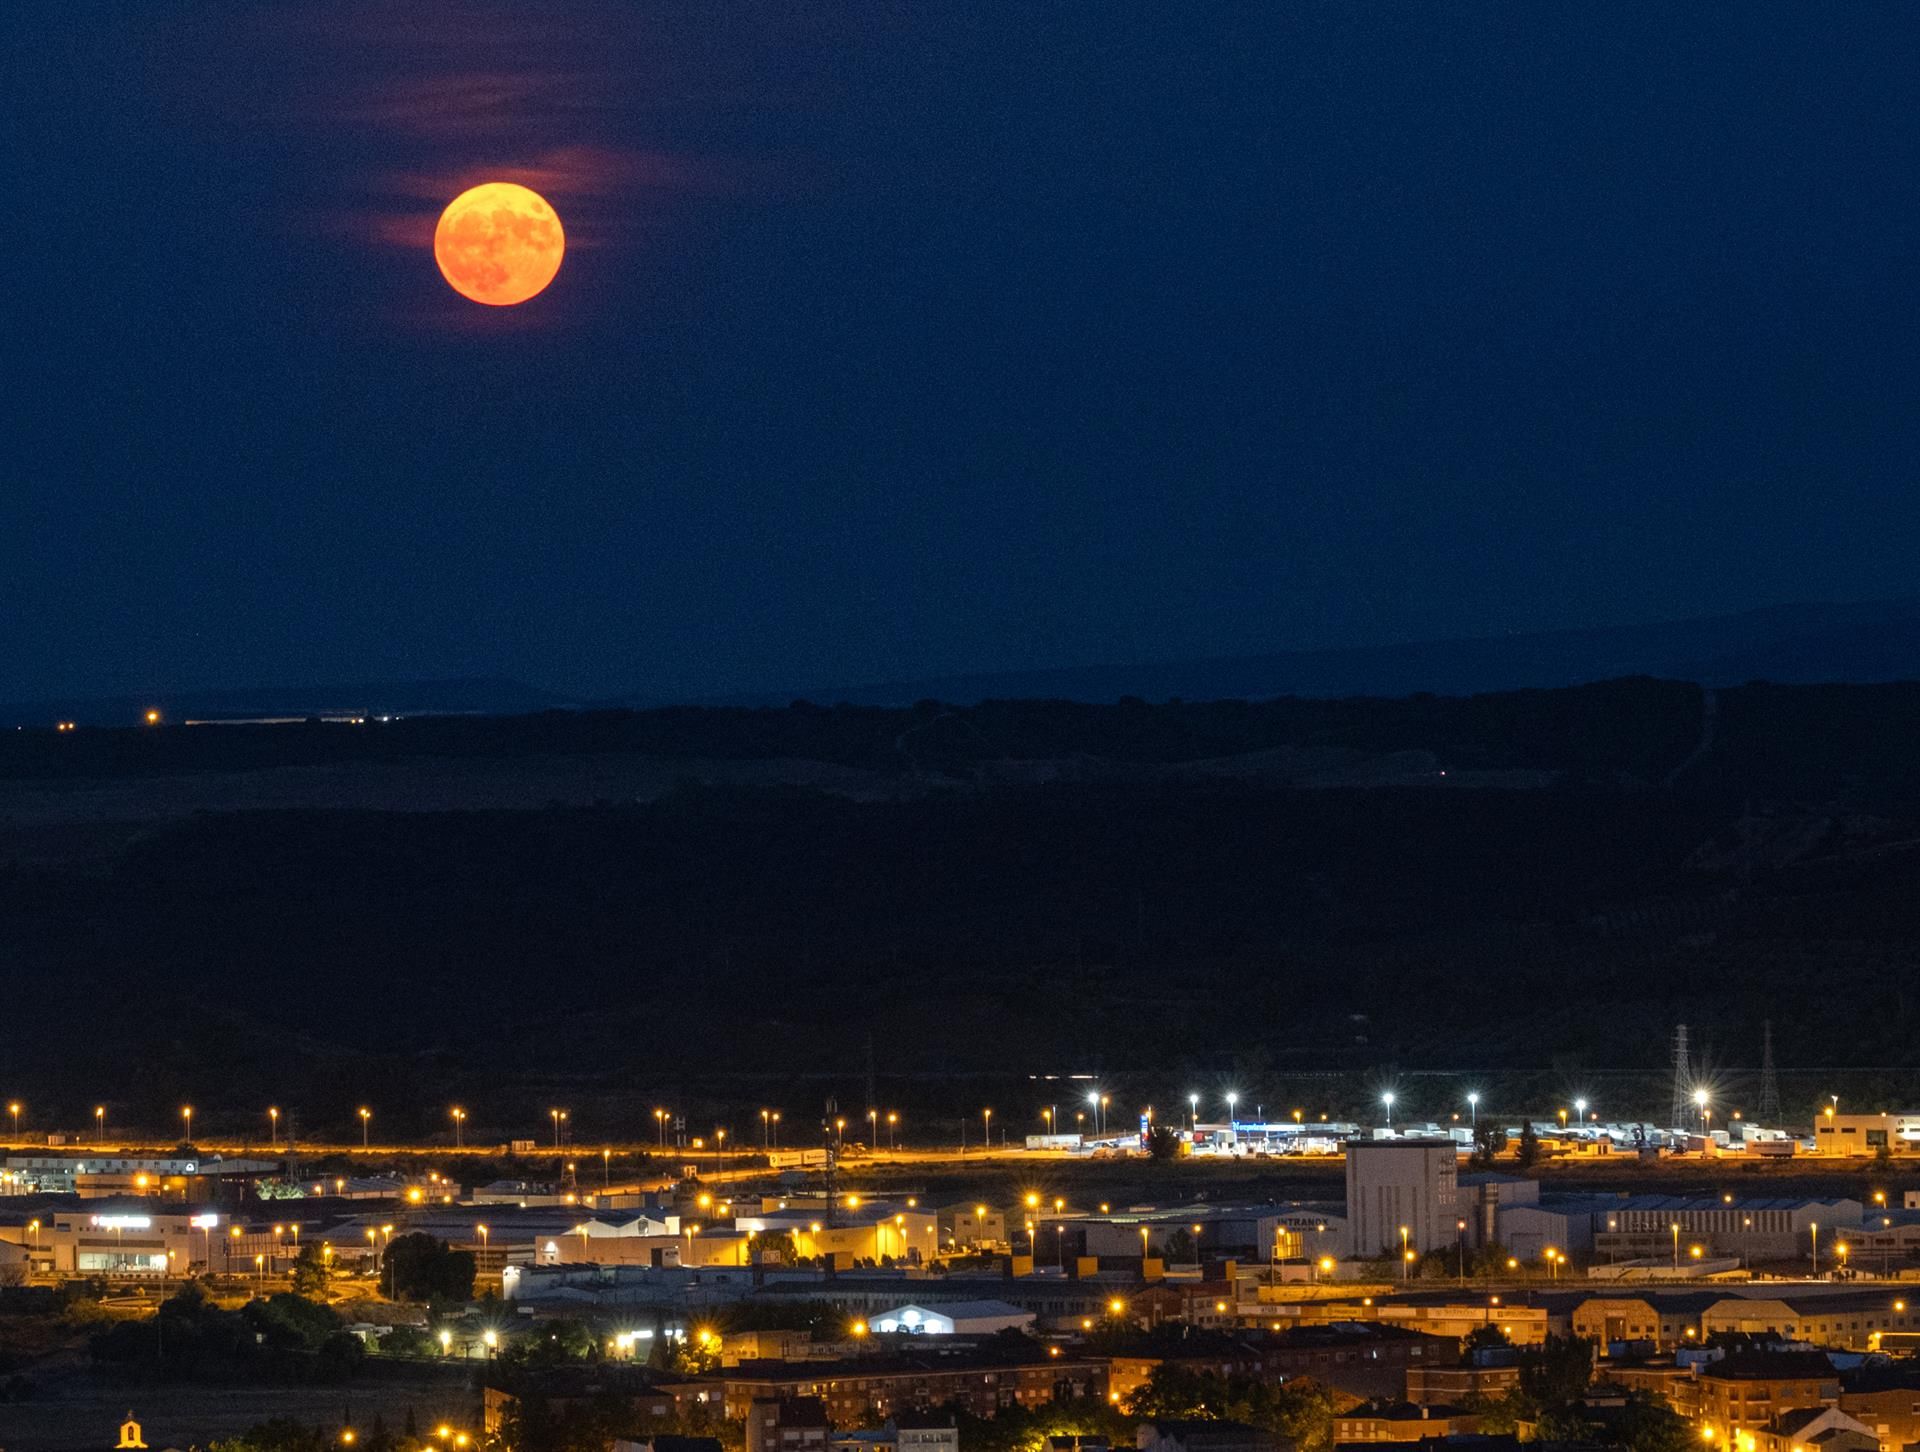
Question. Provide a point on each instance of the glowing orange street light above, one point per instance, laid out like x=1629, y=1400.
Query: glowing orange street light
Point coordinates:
x=366, y=1118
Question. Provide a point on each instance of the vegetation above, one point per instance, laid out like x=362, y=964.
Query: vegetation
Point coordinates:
x=311, y=1272
x=285, y=1435
x=420, y=1268
x=1300, y=1409
x=1528, y=1153
x=1020, y=1429
x=189, y=1338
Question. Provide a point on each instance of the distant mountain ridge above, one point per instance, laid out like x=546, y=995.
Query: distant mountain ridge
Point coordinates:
x=475, y=696
x=1863, y=644
x=1814, y=643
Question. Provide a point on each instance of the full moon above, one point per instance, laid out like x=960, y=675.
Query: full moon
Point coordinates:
x=498, y=243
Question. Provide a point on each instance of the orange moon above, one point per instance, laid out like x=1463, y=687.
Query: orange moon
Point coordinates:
x=498, y=243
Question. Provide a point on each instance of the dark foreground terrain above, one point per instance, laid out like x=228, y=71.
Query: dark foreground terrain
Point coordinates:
x=1298, y=897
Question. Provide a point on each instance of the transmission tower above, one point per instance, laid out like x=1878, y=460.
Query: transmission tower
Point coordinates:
x=1769, y=1109
x=1682, y=1081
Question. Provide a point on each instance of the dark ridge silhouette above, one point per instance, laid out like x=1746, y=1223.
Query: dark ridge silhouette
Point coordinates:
x=1872, y=642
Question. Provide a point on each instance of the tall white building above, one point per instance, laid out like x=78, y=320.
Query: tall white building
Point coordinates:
x=1401, y=1182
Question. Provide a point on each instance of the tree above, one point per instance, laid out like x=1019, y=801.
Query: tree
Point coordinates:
x=421, y=1268
x=286, y=1322
x=1163, y=1143
x=1557, y=1374
x=1299, y=1410
x=1489, y=1140
x=407, y=1341
x=1174, y=1391
x=311, y=1271
x=778, y=1245
x=1483, y=1337
x=282, y=1434
x=1528, y=1155
x=1648, y=1424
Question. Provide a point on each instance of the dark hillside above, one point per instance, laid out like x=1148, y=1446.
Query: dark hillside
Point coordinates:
x=1538, y=878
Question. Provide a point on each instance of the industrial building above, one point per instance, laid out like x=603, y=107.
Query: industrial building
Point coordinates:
x=1401, y=1193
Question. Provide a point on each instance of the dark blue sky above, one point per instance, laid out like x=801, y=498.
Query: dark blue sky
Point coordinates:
x=897, y=340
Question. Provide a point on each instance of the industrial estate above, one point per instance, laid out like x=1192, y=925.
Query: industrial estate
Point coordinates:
x=1199, y=1279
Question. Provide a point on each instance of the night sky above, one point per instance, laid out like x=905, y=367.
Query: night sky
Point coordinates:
x=897, y=340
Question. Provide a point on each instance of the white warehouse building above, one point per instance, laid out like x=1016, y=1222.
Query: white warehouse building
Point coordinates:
x=950, y=1318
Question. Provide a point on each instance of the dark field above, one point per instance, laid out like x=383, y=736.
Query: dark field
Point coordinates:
x=1303, y=901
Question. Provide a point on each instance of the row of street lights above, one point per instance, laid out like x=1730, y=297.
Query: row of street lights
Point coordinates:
x=1098, y=1104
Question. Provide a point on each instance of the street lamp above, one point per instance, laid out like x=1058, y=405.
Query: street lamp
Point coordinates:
x=1387, y=1099
x=1406, y=1253
x=1233, y=1127
x=1700, y=1103
x=14, y=1109
x=100, y=1123
x=559, y=1117
x=660, y=1122
x=1473, y=1110
x=1193, y=1114
x=893, y=1123
x=186, y=1115
x=273, y=1126
x=986, y=1116
x=1580, y=1109
x=459, y=1120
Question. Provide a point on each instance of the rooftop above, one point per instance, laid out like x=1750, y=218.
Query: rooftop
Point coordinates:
x=1770, y=1366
